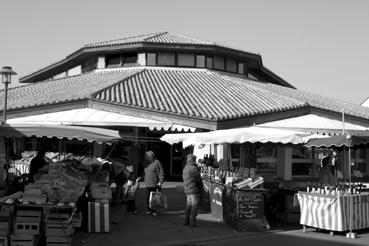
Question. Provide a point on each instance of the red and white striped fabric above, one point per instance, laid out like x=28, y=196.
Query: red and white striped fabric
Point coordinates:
x=332, y=212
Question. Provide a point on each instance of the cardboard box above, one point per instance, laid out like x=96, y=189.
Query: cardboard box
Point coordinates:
x=98, y=217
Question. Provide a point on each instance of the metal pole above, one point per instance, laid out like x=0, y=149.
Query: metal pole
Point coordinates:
x=350, y=209
x=5, y=102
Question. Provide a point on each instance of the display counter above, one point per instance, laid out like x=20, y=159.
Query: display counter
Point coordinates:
x=332, y=213
x=241, y=209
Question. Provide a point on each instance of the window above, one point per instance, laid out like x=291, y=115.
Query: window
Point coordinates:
x=235, y=155
x=266, y=159
x=231, y=66
x=241, y=68
x=186, y=60
x=129, y=59
x=166, y=59
x=209, y=62
x=112, y=60
x=358, y=157
x=218, y=63
x=302, y=162
x=151, y=59
x=200, y=61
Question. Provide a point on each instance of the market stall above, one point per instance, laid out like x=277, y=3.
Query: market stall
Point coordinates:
x=344, y=207
x=332, y=212
x=236, y=195
x=67, y=190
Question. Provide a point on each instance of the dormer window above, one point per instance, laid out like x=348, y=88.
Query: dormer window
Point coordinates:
x=120, y=60
x=166, y=59
x=186, y=60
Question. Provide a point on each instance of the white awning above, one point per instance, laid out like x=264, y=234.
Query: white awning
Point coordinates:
x=95, y=117
x=315, y=123
x=241, y=135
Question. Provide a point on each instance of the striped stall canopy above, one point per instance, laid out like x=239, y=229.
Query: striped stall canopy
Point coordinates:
x=332, y=212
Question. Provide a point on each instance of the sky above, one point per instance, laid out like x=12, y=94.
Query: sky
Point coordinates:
x=319, y=46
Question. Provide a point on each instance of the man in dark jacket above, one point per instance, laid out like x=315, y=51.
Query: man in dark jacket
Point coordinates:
x=192, y=186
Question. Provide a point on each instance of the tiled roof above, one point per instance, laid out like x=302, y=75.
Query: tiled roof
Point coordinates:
x=194, y=93
x=314, y=100
x=160, y=37
x=63, y=90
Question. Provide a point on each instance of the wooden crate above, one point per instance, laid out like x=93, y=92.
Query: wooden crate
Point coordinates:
x=35, y=215
x=58, y=241
x=58, y=230
x=4, y=241
x=22, y=240
x=77, y=220
x=4, y=228
x=27, y=226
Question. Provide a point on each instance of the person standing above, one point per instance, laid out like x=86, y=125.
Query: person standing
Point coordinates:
x=192, y=187
x=326, y=177
x=36, y=164
x=153, y=177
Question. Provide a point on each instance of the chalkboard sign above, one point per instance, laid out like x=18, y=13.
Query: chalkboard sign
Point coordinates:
x=250, y=205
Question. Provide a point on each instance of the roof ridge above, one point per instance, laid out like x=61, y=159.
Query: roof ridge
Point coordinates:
x=121, y=39
x=154, y=36
x=93, y=95
x=259, y=86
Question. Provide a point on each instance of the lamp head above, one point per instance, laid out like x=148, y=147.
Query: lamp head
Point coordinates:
x=6, y=74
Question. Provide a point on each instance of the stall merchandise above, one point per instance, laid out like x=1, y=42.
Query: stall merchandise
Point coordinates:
x=331, y=212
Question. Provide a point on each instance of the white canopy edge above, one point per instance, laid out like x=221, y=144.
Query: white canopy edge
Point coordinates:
x=240, y=135
x=311, y=121
x=96, y=117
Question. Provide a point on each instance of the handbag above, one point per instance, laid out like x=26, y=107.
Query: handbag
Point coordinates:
x=158, y=200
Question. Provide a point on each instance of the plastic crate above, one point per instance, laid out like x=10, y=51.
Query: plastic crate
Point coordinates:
x=58, y=241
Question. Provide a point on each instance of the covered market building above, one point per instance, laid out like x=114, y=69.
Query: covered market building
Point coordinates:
x=150, y=85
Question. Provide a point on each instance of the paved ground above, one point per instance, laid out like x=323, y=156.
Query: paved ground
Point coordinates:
x=168, y=229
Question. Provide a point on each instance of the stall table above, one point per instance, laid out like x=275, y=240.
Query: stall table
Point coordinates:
x=241, y=209
x=332, y=213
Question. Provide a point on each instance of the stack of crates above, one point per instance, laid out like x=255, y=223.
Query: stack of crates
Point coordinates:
x=27, y=228
x=58, y=229
x=5, y=228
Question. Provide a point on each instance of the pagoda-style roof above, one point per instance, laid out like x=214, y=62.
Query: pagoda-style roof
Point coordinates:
x=184, y=93
x=154, y=42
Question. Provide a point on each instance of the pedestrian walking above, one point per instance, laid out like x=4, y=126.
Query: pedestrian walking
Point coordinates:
x=192, y=187
x=154, y=177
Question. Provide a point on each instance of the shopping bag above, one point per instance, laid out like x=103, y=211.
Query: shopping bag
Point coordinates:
x=158, y=200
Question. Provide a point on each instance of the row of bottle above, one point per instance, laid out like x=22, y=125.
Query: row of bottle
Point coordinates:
x=219, y=175
x=340, y=189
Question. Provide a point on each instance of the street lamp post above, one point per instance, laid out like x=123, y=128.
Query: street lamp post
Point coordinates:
x=6, y=74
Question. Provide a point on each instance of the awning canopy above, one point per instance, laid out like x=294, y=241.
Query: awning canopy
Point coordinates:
x=96, y=117
x=315, y=124
x=240, y=135
x=90, y=134
x=344, y=140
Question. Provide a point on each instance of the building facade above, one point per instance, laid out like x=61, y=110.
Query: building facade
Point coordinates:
x=149, y=85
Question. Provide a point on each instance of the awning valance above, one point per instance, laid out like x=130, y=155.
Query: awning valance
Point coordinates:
x=96, y=117
x=314, y=124
x=90, y=134
x=240, y=135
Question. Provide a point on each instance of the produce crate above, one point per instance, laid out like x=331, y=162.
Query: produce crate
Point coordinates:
x=22, y=240
x=77, y=220
x=58, y=230
x=5, y=228
x=4, y=241
x=58, y=241
x=27, y=226
x=34, y=215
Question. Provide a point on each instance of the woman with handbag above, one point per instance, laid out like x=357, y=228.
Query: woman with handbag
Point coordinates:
x=153, y=177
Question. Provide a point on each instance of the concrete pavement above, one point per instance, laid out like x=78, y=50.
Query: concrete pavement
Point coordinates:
x=168, y=229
